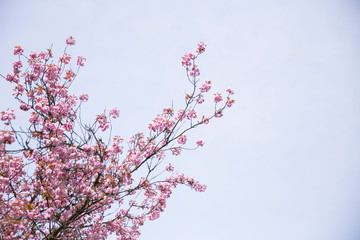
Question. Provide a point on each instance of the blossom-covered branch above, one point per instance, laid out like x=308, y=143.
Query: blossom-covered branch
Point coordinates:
x=60, y=180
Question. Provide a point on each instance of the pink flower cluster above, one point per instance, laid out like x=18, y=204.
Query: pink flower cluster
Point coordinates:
x=205, y=87
x=218, y=98
x=18, y=50
x=70, y=41
x=181, y=179
x=114, y=113
x=169, y=168
x=81, y=61
x=230, y=101
x=12, y=78
x=230, y=91
x=181, y=115
x=200, y=143
x=17, y=65
x=161, y=123
x=6, y=138
x=78, y=173
x=200, y=99
x=218, y=113
x=191, y=114
x=69, y=75
x=65, y=58
x=201, y=48
x=182, y=139
x=117, y=148
x=176, y=151
x=7, y=116
x=103, y=121
x=88, y=149
x=186, y=60
x=194, y=71
x=84, y=97
x=24, y=106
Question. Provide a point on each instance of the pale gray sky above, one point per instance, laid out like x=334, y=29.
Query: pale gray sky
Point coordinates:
x=284, y=163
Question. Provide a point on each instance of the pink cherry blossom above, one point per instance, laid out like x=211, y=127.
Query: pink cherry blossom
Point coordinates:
x=65, y=58
x=70, y=41
x=200, y=99
x=34, y=55
x=218, y=98
x=201, y=48
x=84, y=97
x=161, y=123
x=191, y=114
x=11, y=78
x=6, y=138
x=186, y=60
x=18, y=50
x=17, y=65
x=229, y=102
x=69, y=75
x=231, y=92
x=205, y=120
x=114, y=113
x=169, y=168
x=176, y=151
x=103, y=121
x=194, y=71
x=205, y=87
x=181, y=115
x=200, y=143
x=182, y=139
x=79, y=171
x=81, y=61
x=19, y=89
x=24, y=107
x=218, y=114
x=7, y=116
x=88, y=149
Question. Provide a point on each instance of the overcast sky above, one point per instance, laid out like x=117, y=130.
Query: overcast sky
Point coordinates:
x=284, y=162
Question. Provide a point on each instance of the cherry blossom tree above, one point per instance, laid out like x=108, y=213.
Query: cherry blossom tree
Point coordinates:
x=60, y=180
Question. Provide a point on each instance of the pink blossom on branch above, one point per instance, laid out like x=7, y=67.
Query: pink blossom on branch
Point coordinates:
x=186, y=60
x=65, y=58
x=81, y=172
x=229, y=102
x=200, y=143
x=17, y=65
x=176, y=151
x=218, y=98
x=69, y=75
x=194, y=71
x=169, y=168
x=12, y=78
x=114, y=113
x=103, y=121
x=70, y=41
x=84, y=97
x=205, y=87
x=191, y=114
x=33, y=55
x=218, y=114
x=230, y=91
x=182, y=139
x=18, y=50
x=80, y=61
x=24, y=107
x=201, y=48
x=200, y=99
x=7, y=116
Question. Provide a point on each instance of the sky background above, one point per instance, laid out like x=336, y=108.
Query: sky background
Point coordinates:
x=284, y=162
